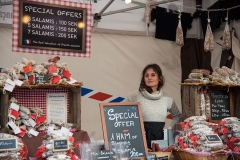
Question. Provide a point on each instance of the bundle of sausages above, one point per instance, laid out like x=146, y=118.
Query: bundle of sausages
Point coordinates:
x=193, y=138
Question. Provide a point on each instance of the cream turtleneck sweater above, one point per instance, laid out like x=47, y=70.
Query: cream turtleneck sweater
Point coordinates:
x=155, y=106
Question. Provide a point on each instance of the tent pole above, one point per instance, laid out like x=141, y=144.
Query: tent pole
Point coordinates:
x=137, y=7
x=105, y=7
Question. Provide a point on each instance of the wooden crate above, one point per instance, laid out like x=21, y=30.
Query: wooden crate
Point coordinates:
x=190, y=99
x=74, y=115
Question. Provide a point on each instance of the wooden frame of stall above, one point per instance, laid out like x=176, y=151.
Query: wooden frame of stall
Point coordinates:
x=189, y=97
x=74, y=115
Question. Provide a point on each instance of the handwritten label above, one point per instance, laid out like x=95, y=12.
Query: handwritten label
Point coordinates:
x=60, y=145
x=163, y=158
x=220, y=104
x=123, y=127
x=57, y=107
x=53, y=27
x=8, y=144
x=41, y=78
x=102, y=154
x=213, y=138
x=151, y=157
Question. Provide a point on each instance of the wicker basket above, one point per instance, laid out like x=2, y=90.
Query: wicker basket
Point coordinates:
x=184, y=155
x=234, y=156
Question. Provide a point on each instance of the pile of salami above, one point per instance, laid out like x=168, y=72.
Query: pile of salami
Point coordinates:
x=27, y=69
x=194, y=136
x=229, y=131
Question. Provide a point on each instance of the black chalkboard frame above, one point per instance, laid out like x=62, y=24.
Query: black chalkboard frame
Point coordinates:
x=12, y=148
x=123, y=104
x=212, y=88
x=57, y=139
x=20, y=44
x=213, y=135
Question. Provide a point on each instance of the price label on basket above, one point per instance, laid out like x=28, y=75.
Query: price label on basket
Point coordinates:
x=213, y=138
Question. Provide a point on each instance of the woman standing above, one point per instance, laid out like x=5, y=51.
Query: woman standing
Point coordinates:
x=155, y=103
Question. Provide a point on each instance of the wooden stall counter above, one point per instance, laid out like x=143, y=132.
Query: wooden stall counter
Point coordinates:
x=34, y=142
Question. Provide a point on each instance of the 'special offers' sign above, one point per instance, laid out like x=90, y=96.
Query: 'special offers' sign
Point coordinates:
x=122, y=123
x=52, y=27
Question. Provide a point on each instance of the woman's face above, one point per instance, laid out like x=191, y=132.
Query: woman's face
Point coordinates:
x=151, y=79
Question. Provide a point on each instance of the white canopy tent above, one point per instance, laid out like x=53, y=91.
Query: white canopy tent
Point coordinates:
x=116, y=61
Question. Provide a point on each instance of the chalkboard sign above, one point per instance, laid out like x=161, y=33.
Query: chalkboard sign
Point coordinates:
x=213, y=138
x=220, y=104
x=163, y=158
x=151, y=157
x=60, y=144
x=41, y=78
x=8, y=144
x=122, y=123
x=52, y=27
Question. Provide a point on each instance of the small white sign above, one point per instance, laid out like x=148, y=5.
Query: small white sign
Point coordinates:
x=6, y=16
x=17, y=130
x=33, y=132
x=8, y=87
x=12, y=124
x=18, y=82
x=9, y=81
x=56, y=107
x=14, y=106
x=32, y=122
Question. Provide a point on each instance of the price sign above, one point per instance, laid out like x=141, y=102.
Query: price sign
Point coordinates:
x=41, y=78
x=122, y=124
x=8, y=144
x=213, y=138
x=220, y=104
x=60, y=145
x=52, y=27
x=151, y=157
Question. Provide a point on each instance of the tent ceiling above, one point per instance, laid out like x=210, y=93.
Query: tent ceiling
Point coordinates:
x=116, y=15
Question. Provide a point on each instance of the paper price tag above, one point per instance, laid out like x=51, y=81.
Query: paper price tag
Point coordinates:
x=18, y=82
x=9, y=81
x=17, y=130
x=33, y=132
x=32, y=122
x=12, y=124
x=8, y=87
x=14, y=106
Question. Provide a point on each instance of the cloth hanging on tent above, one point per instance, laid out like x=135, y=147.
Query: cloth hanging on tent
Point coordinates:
x=236, y=53
x=167, y=22
x=193, y=56
x=233, y=13
x=216, y=18
x=236, y=27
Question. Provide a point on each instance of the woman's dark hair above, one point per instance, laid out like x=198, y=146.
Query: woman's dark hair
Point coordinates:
x=156, y=69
